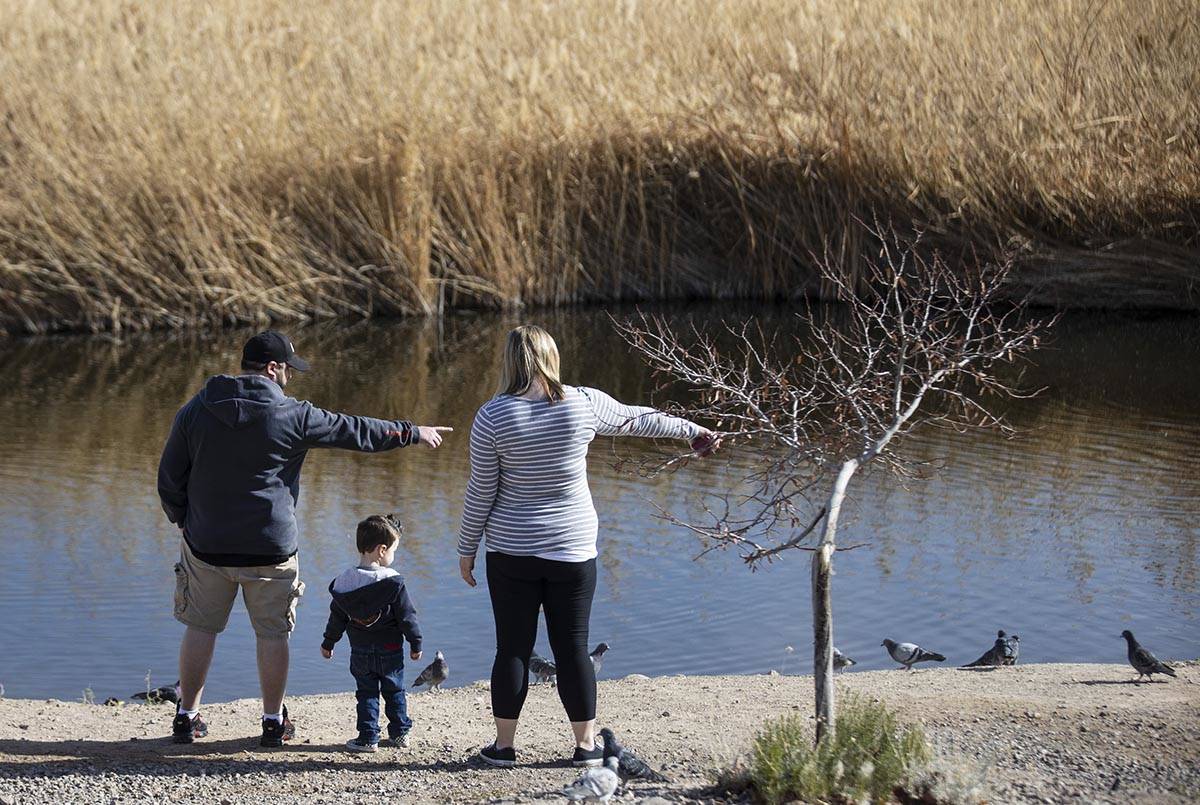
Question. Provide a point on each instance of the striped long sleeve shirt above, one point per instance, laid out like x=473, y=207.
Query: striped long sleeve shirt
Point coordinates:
x=528, y=494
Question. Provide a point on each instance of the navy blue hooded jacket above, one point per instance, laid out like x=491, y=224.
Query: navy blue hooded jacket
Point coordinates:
x=230, y=472
x=379, y=615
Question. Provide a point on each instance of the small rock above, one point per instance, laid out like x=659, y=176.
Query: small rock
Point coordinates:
x=666, y=714
x=653, y=801
x=773, y=672
x=638, y=678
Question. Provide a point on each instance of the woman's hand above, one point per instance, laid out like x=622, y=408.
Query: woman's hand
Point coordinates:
x=706, y=443
x=466, y=566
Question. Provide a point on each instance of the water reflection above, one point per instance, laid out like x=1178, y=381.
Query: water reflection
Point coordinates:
x=1087, y=519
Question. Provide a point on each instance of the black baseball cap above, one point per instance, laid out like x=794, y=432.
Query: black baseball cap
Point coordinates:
x=273, y=346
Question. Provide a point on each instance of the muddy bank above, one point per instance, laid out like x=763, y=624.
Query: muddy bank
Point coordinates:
x=1035, y=732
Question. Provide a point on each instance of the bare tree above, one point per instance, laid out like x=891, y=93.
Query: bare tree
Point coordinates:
x=916, y=341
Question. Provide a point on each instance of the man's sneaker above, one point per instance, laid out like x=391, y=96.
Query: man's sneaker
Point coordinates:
x=274, y=733
x=361, y=745
x=588, y=757
x=399, y=742
x=185, y=730
x=504, y=758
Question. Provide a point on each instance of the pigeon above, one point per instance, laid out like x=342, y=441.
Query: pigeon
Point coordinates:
x=1145, y=663
x=841, y=661
x=595, y=785
x=909, y=654
x=629, y=765
x=597, y=656
x=542, y=669
x=434, y=674
x=995, y=655
x=1012, y=648
x=167, y=693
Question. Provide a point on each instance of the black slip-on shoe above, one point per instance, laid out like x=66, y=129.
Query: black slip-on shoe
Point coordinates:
x=588, y=757
x=185, y=730
x=504, y=758
x=274, y=733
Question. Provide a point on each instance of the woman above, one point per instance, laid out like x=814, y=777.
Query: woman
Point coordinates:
x=528, y=494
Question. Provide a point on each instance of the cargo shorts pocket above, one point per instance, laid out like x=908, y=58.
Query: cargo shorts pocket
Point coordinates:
x=181, y=589
x=293, y=600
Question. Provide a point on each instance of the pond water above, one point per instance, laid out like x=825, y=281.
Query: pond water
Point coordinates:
x=1083, y=525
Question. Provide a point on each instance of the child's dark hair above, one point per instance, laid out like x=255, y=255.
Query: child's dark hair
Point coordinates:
x=378, y=529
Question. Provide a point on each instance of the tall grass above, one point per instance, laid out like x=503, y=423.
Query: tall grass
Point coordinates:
x=167, y=163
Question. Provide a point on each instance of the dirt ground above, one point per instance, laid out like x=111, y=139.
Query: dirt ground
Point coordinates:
x=1032, y=733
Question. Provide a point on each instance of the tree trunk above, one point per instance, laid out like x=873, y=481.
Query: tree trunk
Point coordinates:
x=822, y=567
x=822, y=606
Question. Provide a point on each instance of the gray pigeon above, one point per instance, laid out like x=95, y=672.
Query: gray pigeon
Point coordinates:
x=167, y=693
x=909, y=654
x=1012, y=649
x=1145, y=663
x=597, y=656
x=629, y=765
x=841, y=661
x=595, y=785
x=542, y=669
x=434, y=674
x=995, y=655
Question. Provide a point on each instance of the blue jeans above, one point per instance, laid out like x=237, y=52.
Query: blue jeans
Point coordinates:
x=377, y=673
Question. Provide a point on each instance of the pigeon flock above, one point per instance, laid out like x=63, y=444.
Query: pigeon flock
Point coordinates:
x=621, y=764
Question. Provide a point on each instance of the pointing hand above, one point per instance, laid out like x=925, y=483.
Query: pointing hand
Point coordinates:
x=431, y=436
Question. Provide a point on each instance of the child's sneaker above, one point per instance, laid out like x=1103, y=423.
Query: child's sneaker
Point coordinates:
x=274, y=733
x=361, y=745
x=399, y=742
x=504, y=758
x=185, y=730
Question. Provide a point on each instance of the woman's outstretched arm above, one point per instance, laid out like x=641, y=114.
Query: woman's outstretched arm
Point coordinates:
x=481, y=489
x=617, y=419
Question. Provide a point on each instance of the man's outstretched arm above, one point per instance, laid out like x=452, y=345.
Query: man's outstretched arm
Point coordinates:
x=366, y=434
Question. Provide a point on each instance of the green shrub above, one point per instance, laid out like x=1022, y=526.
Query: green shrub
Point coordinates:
x=870, y=754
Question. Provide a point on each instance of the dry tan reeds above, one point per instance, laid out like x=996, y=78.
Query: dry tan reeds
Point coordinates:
x=164, y=164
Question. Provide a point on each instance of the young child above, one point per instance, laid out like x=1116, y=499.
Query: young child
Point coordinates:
x=371, y=603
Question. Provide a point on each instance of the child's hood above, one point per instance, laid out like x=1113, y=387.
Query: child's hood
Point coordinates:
x=366, y=601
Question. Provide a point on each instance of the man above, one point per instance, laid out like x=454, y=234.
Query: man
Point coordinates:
x=229, y=478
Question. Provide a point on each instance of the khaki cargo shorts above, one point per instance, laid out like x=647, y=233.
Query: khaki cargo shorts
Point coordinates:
x=204, y=594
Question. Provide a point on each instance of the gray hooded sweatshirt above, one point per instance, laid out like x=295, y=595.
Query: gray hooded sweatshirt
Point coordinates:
x=230, y=472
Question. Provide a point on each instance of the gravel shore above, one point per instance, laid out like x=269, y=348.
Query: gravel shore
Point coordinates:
x=1047, y=733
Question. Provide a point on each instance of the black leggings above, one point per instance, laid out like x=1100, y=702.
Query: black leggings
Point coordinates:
x=519, y=586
